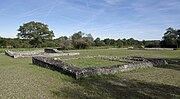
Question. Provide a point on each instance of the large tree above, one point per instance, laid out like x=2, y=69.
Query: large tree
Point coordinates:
x=37, y=32
x=171, y=38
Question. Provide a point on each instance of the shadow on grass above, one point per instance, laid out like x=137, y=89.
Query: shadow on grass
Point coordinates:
x=114, y=87
x=172, y=64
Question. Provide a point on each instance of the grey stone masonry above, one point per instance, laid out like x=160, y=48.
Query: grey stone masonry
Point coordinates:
x=51, y=50
x=69, y=69
x=17, y=54
x=57, y=65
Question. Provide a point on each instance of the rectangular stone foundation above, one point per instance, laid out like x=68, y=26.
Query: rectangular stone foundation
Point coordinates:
x=77, y=73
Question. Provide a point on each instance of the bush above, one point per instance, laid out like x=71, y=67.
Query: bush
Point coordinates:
x=176, y=48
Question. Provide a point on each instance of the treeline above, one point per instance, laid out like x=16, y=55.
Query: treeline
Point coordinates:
x=36, y=34
x=78, y=40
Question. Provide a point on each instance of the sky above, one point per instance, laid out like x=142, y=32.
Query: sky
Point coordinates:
x=117, y=19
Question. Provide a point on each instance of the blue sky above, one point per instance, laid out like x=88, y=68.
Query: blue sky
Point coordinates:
x=140, y=19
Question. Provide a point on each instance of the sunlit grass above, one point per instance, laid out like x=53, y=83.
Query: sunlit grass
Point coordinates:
x=124, y=52
x=20, y=79
x=92, y=62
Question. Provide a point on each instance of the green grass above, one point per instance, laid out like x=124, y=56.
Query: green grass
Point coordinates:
x=121, y=52
x=103, y=47
x=92, y=62
x=20, y=79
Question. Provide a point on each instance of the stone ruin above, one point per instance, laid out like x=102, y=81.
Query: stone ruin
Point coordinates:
x=59, y=65
x=51, y=50
x=41, y=58
x=46, y=52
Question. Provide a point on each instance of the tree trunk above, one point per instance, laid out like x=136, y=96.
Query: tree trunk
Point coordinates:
x=178, y=44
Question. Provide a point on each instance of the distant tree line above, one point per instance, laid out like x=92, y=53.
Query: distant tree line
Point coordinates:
x=37, y=34
x=77, y=41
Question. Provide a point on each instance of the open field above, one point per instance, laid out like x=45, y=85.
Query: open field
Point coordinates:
x=20, y=79
x=124, y=52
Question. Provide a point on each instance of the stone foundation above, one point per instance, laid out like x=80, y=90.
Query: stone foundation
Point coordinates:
x=76, y=72
x=18, y=54
x=51, y=50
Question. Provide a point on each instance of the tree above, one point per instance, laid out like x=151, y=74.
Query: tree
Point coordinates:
x=125, y=44
x=99, y=42
x=107, y=41
x=37, y=32
x=171, y=38
x=80, y=41
x=64, y=43
x=178, y=38
x=131, y=41
x=119, y=43
x=77, y=39
x=89, y=39
x=151, y=43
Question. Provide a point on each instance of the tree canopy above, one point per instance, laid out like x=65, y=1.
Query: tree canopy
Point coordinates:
x=37, y=32
x=80, y=41
x=171, y=38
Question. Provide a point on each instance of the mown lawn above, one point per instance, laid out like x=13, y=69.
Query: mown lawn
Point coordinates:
x=92, y=62
x=20, y=79
x=124, y=52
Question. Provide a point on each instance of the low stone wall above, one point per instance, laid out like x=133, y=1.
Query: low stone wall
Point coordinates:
x=17, y=54
x=69, y=69
x=85, y=72
x=9, y=53
x=157, y=61
x=51, y=50
x=132, y=59
x=57, y=65
x=110, y=58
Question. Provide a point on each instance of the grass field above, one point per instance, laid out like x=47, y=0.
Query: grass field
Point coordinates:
x=125, y=52
x=92, y=62
x=20, y=79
